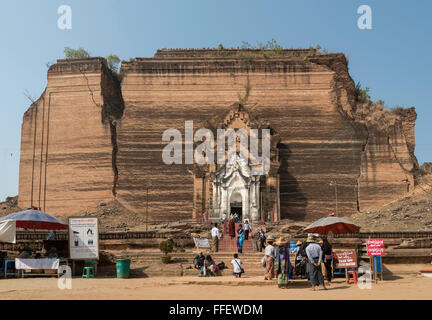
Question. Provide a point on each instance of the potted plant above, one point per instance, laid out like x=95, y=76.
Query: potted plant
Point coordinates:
x=166, y=247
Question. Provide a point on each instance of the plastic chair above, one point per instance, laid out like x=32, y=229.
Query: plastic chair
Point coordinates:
x=91, y=263
x=352, y=276
x=7, y=266
x=88, y=272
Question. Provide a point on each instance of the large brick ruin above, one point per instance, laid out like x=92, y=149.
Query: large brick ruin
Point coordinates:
x=90, y=138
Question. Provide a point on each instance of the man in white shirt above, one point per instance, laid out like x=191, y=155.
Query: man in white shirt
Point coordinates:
x=236, y=262
x=314, y=255
x=246, y=228
x=215, y=237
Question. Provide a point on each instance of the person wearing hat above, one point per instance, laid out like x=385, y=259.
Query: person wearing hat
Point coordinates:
x=314, y=255
x=299, y=262
x=270, y=256
x=261, y=238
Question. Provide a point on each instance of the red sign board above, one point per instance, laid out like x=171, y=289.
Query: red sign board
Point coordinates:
x=375, y=247
x=345, y=259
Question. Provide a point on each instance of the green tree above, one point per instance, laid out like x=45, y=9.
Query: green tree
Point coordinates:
x=75, y=53
x=362, y=94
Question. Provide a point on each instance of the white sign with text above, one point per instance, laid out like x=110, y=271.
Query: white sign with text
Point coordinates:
x=83, y=238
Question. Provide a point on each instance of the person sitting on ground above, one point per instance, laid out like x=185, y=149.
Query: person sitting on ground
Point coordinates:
x=199, y=261
x=237, y=264
x=209, y=267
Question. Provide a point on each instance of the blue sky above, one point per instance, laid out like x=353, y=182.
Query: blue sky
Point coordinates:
x=393, y=58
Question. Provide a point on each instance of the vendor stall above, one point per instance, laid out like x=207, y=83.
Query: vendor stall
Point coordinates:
x=26, y=266
x=30, y=262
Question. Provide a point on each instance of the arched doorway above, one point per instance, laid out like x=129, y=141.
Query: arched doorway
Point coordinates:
x=236, y=204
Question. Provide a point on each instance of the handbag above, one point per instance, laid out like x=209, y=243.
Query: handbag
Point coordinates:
x=241, y=269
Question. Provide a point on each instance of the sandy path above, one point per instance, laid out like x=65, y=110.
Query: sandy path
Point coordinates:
x=404, y=287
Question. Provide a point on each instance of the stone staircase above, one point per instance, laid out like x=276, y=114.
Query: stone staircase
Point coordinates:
x=226, y=244
x=148, y=263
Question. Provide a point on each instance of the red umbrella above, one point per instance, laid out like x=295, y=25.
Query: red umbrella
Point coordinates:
x=332, y=224
x=35, y=219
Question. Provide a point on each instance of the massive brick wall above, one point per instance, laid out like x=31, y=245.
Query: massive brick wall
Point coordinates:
x=65, y=146
x=319, y=143
x=388, y=164
x=97, y=150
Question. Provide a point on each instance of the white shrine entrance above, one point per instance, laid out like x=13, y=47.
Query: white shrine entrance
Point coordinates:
x=235, y=187
x=232, y=188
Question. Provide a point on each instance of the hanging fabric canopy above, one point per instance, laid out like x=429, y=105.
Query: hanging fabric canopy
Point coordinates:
x=332, y=224
x=8, y=231
x=36, y=220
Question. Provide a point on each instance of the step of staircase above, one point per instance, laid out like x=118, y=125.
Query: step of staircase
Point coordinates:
x=228, y=244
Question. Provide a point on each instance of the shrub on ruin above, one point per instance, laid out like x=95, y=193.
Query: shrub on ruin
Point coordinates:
x=166, y=247
x=80, y=53
x=362, y=94
x=113, y=62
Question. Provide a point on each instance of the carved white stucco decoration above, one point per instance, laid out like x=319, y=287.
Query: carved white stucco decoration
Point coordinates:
x=232, y=182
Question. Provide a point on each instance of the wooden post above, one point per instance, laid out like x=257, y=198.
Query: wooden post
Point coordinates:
x=336, y=198
x=147, y=209
x=375, y=271
x=34, y=238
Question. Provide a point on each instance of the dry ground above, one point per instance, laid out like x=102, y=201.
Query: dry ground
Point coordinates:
x=175, y=288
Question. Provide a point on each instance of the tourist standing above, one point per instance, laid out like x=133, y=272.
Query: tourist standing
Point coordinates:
x=246, y=229
x=314, y=255
x=270, y=256
x=215, y=237
x=223, y=218
x=237, y=264
x=231, y=227
x=327, y=258
x=282, y=266
x=300, y=261
x=240, y=239
x=261, y=238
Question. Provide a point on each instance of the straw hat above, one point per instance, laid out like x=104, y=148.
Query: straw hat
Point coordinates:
x=298, y=243
x=279, y=241
x=311, y=238
x=270, y=239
